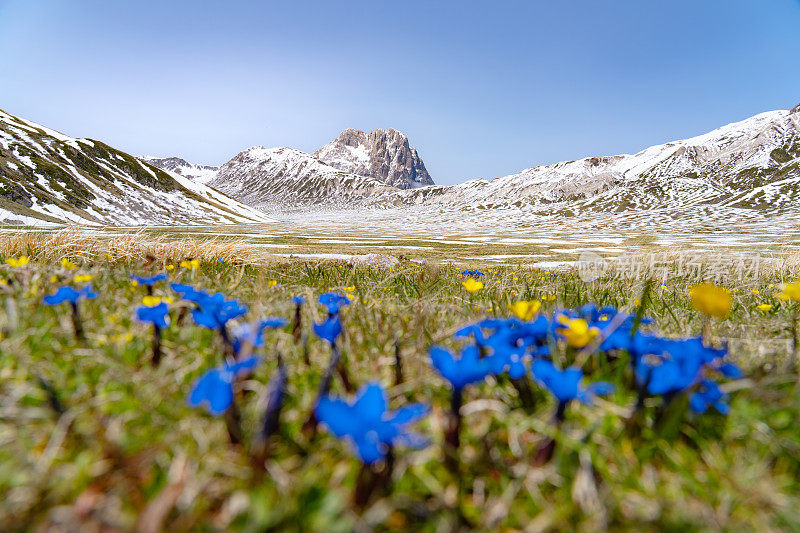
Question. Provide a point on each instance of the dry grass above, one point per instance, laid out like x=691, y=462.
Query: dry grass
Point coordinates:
x=140, y=246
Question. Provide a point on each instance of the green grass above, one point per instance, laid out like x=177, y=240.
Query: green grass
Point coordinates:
x=128, y=449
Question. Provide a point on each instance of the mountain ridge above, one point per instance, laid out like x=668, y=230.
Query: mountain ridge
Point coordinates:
x=47, y=177
x=178, y=165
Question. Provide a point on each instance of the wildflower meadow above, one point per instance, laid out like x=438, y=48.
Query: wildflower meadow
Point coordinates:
x=180, y=393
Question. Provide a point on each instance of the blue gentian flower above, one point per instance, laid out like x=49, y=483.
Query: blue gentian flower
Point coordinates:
x=157, y=315
x=329, y=330
x=253, y=334
x=298, y=300
x=472, y=273
x=333, y=301
x=148, y=281
x=368, y=424
x=68, y=294
x=566, y=385
x=468, y=368
x=215, y=387
x=671, y=365
x=182, y=288
x=507, y=342
x=216, y=311
x=709, y=395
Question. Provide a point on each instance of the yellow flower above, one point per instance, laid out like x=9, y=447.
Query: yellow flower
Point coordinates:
x=765, y=307
x=193, y=264
x=550, y=298
x=152, y=301
x=756, y=291
x=54, y=279
x=69, y=265
x=735, y=290
x=109, y=256
x=82, y=278
x=711, y=299
x=577, y=332
x=134, y=283
x=637, y=302
x=170, y=268
x=18, y=262
x=770, y=286
x=525, y=310
x=472, y=286
x=272, y=283
x=351, y=288
x=791, y=291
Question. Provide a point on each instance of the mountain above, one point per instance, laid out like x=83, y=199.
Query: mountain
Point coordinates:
x=49, y=178
x=286, y=177
x=382, y=154
x=752, y=165
x=196, y=173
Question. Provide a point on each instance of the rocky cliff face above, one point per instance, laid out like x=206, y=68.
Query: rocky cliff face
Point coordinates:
x=381, y=154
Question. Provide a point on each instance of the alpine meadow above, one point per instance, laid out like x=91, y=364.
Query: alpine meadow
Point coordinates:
x=283, y=319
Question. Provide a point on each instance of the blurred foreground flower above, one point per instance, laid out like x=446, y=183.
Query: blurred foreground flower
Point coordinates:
x=214, y=389
x=566, y=384
x=525, y=310
x=576, y=331
x=790, y=291
x=368, y=424
x=471, y=285
x=70, y=295
x=156, y=312
x=711, y=300
x=192, y=264
x=148, y=281
x=333, y=301
x=17, y=262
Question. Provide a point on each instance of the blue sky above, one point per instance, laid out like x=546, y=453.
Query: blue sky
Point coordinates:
x=482, y=89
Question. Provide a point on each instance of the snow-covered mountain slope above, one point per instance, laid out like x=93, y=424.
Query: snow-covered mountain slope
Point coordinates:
x=49, y=178
x=286, y=177
x=196, y=173
x=381, y=154
x=753, y=165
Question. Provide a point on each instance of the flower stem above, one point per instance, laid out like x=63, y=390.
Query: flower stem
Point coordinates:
x=523, y=386
x=233, y=423
x=370, y=478
x=344, y=375
x=76, y=323
x=398, y=363
x=452, y=437
x=310, y=425
x=271, y=425
x=156, y=359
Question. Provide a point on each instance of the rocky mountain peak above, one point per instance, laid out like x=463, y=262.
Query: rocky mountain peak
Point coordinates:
x=795, y=110
x=351, y=137
x=385, y=155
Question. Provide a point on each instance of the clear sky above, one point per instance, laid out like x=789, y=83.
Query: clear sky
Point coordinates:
x=482, y=89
